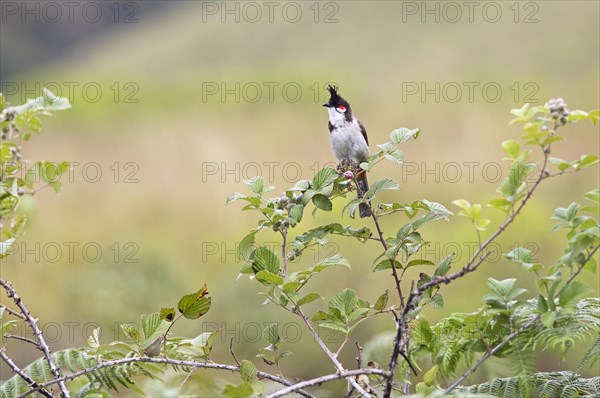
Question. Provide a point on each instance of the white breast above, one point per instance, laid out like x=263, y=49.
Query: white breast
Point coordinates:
x=348, y=142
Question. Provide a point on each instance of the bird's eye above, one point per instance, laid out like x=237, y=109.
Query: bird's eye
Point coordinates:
x=341, y=108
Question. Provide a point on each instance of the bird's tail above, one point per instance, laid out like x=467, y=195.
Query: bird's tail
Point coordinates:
x=363, y=186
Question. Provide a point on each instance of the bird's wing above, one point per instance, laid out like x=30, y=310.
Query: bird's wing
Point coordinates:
x=363, y=131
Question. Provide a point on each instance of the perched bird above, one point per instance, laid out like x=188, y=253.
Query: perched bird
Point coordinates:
x=348, y=140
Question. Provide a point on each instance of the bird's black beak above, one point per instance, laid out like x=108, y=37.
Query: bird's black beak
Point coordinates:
x=328, y=105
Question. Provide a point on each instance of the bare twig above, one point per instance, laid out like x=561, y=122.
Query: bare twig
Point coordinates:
x=327, y=351
x=589, y=257
x=22, y=374
x=25, y=339
x=168, y=361
x=474, y=262
x=283, y=253
x=233, y=353
x=488, y=354
x=10, y=291
x=358, y=366
x=13, y=312
x=348, y=374
x=187, y=377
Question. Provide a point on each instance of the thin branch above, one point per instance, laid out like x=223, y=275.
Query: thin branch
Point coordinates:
x=397, y=279
x=474, y=262
x=358, y=366
x=233, y=353
x=38, y=334
x=348, y=374
x=167, y=361
x=327, y=351
x=589, y=257
x=25, y=339
x=488, y=354
x=187, y=377
x=284, y=254
x=14, y=313
x=22, y=374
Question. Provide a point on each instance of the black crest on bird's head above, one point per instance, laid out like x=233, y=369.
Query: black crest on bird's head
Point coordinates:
x=336, y=100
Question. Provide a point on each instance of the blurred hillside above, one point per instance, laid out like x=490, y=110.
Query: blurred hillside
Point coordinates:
x=174, y=109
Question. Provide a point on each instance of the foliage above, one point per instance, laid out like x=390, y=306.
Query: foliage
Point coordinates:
x=427, y=358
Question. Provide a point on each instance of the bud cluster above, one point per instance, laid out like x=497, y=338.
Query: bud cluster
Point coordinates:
x=558, y=110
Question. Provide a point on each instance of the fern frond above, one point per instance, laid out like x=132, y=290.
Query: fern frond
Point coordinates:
x=73, y=360
x=546, y=385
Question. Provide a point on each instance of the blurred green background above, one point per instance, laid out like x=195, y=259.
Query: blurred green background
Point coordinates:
x=175, y=103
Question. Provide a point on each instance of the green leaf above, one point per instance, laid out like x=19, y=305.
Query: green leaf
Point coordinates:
x=382, y=301
x=412, y=263
x=344, y=301
x=54, y=102
x=561, y=164
x=444, y=266
x=324, y=177
x=234, y=196
x=310, y=297
x=512, y=148
x=296, y=212
x=436, y=301
x=168, y=314
x=513, y=186
x=548, y=319
x=131, y=331
x=256, y=185
x=242, y=391
x=248, y=371
x=264, y=259
x=500, y=204
x=271, y=333
x=327, y=262
x=322, y=202
x=573, y=292
x=5, y=246
x=586, y=161
x=194, y=305
x=436, y=212
x=246, y=247
x=381, y=185
x=430, y=377
x=269, y=278
x=403, y=134
x=386, y=264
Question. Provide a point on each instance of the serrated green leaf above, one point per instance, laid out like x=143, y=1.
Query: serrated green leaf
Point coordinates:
x=234, y=196
x=403, y=134
x=271, y=333
x=248, y=371
x=264, y=259
x=381, y=185
x=322, y=202
x=269, y=278
x=193, y=306
x=310, y=297
x=444, y=266
x=386, y=264
x=344, y=301
x=168, y=314
x=256, y=185
x=324, y=177
x=131, y=331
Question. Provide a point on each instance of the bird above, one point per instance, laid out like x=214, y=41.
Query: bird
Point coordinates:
x=349, y=140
